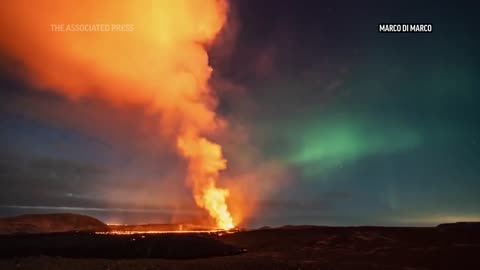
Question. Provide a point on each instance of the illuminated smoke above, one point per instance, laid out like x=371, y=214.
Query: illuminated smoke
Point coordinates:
x=153, y=54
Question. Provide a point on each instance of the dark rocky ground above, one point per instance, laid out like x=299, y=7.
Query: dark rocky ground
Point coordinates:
x=297, y=247
x=90, y=245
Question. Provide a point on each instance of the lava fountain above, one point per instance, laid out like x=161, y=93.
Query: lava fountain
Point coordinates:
x=152, y=53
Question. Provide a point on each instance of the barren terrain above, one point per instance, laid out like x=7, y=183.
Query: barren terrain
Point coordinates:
x=290, y=247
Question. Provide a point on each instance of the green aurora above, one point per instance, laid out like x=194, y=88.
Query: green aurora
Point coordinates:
x=331, y=143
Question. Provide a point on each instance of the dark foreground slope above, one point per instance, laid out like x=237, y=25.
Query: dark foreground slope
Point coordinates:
x=294, y=247
x=365, y=247
x=50, y=223
x=90, y=245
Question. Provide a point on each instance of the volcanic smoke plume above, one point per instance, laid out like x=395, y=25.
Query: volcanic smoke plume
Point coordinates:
x=150, y=53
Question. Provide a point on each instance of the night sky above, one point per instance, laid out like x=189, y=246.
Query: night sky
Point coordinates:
x=347, y=126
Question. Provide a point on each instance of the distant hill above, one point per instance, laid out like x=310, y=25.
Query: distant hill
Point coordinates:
x=459, y=226
x=50, y=223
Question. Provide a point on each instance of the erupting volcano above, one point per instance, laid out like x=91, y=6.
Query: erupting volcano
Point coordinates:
x=159, y=61
x=238, y=134
x=205, y=162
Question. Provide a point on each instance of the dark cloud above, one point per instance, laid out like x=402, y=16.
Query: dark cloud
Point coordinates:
x=46, y=181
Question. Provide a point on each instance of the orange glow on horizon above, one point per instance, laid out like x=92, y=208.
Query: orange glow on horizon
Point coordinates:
x=212, y=231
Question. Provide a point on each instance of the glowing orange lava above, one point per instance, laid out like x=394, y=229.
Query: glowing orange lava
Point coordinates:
x=216, y=231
